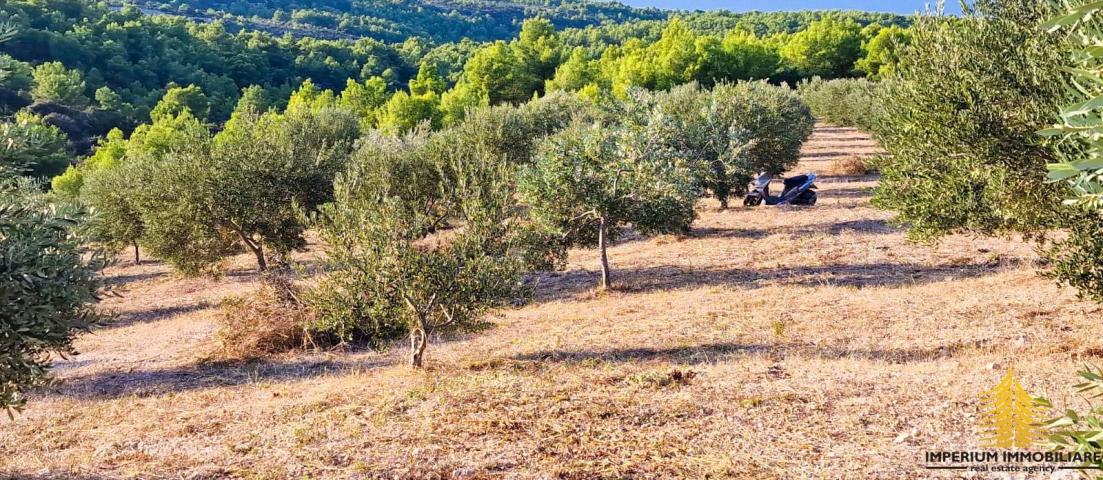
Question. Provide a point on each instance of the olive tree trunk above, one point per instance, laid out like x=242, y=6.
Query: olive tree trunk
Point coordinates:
x=418, y=341
x=603, y=245
x=258, y=249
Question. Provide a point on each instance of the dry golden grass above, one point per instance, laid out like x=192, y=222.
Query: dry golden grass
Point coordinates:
x=771, y=343
x=849, y=166
x=269, y=320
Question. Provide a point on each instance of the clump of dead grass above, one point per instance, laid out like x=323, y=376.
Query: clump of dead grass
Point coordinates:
x=850, y=166
x=270, y=320
x=659, y=379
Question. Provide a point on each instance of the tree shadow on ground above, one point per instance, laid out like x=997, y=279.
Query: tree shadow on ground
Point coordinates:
x=848, y=192
x=720, y=232
x=144, y=383
x=568, y=285
x=114, y=281
x=828, y=128
x=878, y=227
x=871, y=226
x=708, y=353
x=153, y=314
x=826, y=155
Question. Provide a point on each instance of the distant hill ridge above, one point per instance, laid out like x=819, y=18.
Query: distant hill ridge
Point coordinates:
x=443, y=21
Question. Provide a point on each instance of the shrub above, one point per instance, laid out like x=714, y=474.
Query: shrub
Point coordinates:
x=1076, y=260
x=1078, y=431
x=48, y=284
x=844, y=102
x=513, y=132
x=32, y=149
x=727, y=135
x=960, y=123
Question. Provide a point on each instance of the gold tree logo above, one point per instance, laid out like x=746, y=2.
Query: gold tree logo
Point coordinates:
x=1007, y=416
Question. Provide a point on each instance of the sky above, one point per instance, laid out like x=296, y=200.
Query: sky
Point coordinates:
x=897, y=6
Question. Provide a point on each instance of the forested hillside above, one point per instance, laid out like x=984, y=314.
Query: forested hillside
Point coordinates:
x=442, y=21
x=395, y=21
x=71, y=71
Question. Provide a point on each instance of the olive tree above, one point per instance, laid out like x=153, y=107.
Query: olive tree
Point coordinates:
x=588, y=182
x=32, y=149
x=729, y=133
x=48, y=284
x=960, y=123
x=512, y=132
x=1076, y=259
x=247, y=186
x=1082, y=122
x=422, y=240
x=773, y=120
x=114, y=219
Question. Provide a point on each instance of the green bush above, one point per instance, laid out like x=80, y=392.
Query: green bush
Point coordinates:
x=32, y=149
x=776, y=120
x=512, y=132
x=844, y=102
x=48, y=284
x=960, y=123
x=1078, y=431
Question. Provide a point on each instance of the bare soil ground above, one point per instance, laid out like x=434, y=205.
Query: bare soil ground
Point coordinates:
x=770, y=343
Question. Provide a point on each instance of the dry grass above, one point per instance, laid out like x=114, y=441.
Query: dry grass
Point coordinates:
x=771, y=343
x=268, y=321
x=849, y=166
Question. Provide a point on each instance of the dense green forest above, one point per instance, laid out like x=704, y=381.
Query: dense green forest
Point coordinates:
x=73, y=71
x=451, y=21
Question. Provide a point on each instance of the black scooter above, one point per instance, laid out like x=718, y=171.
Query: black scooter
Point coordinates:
x=799, y=190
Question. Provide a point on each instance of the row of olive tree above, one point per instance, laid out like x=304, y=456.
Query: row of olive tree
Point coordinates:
x=845, y=102
x=428, y=230
x=424, y=233
x=972, y=140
